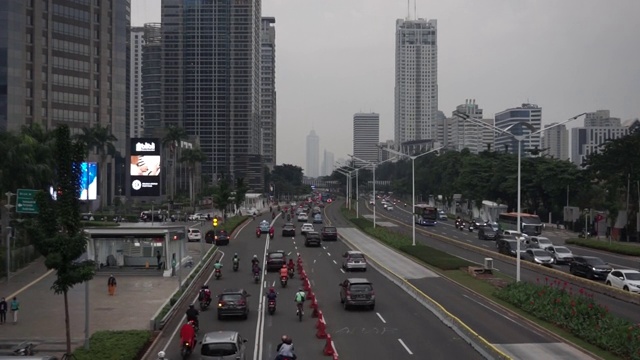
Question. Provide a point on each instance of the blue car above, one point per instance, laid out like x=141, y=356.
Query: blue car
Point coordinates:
x=264, y=227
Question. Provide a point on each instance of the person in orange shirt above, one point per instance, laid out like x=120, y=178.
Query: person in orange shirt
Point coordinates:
x=284, y=272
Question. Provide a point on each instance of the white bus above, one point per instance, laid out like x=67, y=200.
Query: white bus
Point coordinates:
x=529, y=224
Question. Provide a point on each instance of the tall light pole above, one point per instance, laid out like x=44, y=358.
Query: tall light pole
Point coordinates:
x=347, y=174
x=356, y=169
x=413, y=183
x=519, y=139
x=374, y=166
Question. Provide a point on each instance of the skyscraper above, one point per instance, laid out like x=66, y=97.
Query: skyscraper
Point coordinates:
x=467, y=134
x=556, y=141
x=598, y=127
x=528, y=113
x=136, y=110
x=366, y=136
x=416, y=85
x=152, y=78
x=211, y=82
x=65, y=62
x=328, y=163
x=268, y=91
x=313, y=155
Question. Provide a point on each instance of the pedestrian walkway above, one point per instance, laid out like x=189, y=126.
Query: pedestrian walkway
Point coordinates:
x=392, y=260
x=41, y=316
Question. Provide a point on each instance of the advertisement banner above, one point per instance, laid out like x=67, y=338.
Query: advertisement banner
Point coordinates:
x=144, y=163
x=89, y=181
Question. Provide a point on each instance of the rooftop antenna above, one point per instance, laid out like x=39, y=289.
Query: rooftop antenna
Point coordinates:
x=408, y=10
x=415, y=9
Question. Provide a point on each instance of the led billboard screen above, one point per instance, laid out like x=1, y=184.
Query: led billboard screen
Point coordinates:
x=88, y=182
x=144, y=165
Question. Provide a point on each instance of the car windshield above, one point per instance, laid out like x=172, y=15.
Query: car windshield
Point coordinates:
x=360, y=287
x=231, y=297
x=595, y=261
x=219, y=349
x=276, y=256
x=539, y=252
x=635, y=276
x=356, y=256
x=544, y=241
x=194, y=231
x=562, y=250
x=329, y=229
x=288, y=227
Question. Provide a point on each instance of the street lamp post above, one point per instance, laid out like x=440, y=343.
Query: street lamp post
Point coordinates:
x=519, y=139
x=413, y=183
x=355, y=169
x=374, y=166
x=347, y=174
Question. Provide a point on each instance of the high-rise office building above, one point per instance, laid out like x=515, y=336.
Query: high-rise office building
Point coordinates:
x=328, y=163
x=366, y=136
x=65, y=62
x=136, y=108
x=268, y=91
x=555, y=141
x=599, y=127
x=527, y=113
x=416, y=82
x=211, y=82
x=313, y=155
x=469, y=133
x=152, y=78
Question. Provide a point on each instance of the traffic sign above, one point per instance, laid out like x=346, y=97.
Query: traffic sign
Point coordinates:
x=26, y=201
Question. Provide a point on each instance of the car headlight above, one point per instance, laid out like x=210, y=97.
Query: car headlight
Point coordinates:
x=638, y=286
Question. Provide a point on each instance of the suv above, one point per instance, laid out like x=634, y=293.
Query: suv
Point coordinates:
x=194, y=235
x=223, y=345
x=233, y=302
x=354, y=260
x=507, y=246
x=221, y=237
x=275, y=260
x=590, y=266
x=486, y=232
x=312, y=239
x=329, y=233
x=357, y=292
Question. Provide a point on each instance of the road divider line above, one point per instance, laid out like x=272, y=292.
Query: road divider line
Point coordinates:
x=405, y=346
x=257, y=350
x=341, y=269
x=335, y=262
x=381, y=318
x=30, y=284
x=328, y=253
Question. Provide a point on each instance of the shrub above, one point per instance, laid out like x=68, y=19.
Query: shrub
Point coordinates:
x=577, y=312
x=115, y=345
x=99, y=224
x=435, y=257
x=614, y=247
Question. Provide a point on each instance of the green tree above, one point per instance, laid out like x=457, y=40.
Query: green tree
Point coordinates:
x=192, y=157
x=240, y=192
x=222, y=196
x=99, y=140
x=173, y=136
x=57, y=233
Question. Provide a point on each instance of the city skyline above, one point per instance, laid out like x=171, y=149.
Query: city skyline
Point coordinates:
x=356, y=72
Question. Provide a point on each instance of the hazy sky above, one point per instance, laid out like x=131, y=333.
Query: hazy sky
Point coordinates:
x=336, y=58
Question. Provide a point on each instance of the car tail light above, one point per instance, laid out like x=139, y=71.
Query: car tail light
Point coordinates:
x=242, y=302
x=348, y=294
x=221, y=304
x=373, y=295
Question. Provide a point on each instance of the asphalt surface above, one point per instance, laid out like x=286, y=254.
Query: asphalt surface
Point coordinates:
x=401, y=219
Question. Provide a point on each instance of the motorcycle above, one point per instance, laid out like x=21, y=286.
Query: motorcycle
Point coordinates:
x=186, y=349
x=235, y=266
x=460, y=225
x=204, y=304
x=471, y=227
x=217, y=273
x=283, y=281
x=272, y=307
x=290, y=273
x=24, y=349
x=256, y=277
x=258, y=232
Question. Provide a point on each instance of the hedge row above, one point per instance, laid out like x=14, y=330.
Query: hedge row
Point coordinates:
x=427, y=254
x=614, y=247
x=115, y=345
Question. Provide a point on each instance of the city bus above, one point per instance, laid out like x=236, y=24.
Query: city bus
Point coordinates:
x=425, y=215
x=530, y=224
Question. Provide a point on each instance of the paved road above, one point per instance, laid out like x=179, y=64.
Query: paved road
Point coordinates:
x=520, y=340
x=400, y=220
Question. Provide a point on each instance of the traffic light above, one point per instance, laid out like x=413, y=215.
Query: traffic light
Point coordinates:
x=215, y=222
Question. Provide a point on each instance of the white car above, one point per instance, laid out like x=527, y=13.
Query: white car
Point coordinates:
x=539, y=242
x=194, y=235
x=389, y=208
x=306, y=228
x=625, y=279
x=371, y=202
x=195, y=217
x=302, y=217
x=562, y=254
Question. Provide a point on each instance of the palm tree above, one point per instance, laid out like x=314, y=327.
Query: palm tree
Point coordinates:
x=192, y=157
x=99, y=139
x=173, y=137
x=241, y=192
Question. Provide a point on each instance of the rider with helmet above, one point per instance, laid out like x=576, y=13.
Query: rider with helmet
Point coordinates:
x=284, y=272
x=285, y=349
x=272, y=294
x=236, y=259
x=205, y=294
x=192, y=315
x=300, y=298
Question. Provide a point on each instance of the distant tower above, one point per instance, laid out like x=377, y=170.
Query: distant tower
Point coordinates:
x=313, y=155
x=268, y=91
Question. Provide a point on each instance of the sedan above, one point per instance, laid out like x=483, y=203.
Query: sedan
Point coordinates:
x=538, y=256
x=561, y=254
x=306, y=228
x=625, y=279
x=288, y=230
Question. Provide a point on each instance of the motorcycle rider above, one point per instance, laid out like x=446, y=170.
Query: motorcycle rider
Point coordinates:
x=236, y=260
x=205, y=294
x=188, y=335
x=256, y=270
x=192, y=315
x=272, y=294
x=285, y=349
x=272, y=232
x=299, y=299
x=217, y=265
x=161, y=356
x=255, y=261
x=284, y=272
x=291, y=265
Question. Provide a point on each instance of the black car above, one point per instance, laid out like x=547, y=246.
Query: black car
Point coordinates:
x=233, y=302
x=275, y=260
x=217, y=237
x=357, y=292
x=486, y=232
x=288, y=229
x=329, y=233
x=590, y=267
x=507, y=246
x=312, y=239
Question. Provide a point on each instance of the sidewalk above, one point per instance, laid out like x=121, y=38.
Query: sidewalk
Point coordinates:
x=41, y=316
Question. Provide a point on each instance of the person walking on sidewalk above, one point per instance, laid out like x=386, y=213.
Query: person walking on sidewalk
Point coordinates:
x=111, y=284
x=159, y=257
x=15, y=307
x=3, y=311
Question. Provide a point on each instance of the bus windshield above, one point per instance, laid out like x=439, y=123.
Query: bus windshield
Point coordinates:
x=425, y=215
x=530, y=224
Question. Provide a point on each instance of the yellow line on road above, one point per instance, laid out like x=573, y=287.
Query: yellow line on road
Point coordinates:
x=29, y=285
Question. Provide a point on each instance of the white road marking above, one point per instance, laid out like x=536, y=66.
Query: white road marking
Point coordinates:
x=29, y=285
x=492, y=310
x=341, y=269
x=405, y=346
x=314, y=261
x=257, y=350
x=328, y=253
x=381, y=318
x=335, y=262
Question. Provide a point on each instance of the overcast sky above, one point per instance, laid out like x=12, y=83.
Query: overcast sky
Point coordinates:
x=336, y=57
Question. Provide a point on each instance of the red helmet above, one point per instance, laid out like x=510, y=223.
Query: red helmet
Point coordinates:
x=272, y=290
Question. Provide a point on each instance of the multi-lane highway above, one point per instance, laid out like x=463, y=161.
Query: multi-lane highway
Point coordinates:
x=400, y=328
x=400, y=219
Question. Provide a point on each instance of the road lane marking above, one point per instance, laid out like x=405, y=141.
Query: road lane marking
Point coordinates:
x=30, y=284
x=314, y=261
x=184, y=317
x=492, y=310
x=405, y=346
x=341, y=269
x=381, y=318
x=257, y=350
x=328, y=253
x=335, y=262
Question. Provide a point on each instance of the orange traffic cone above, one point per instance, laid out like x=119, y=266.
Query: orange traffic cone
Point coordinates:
x=328, y=347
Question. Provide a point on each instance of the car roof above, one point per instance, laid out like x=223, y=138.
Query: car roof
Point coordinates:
x=329, y=227
x=232, y=291
x=307, y=224
x=220, y=336
x=313, y=233
x=627, y=271
x=358, y=281
x=275, y=251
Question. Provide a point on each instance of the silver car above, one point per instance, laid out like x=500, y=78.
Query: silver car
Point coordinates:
x=354, y=260
x=561, y=254
x=539, y=256
x=223, y=345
